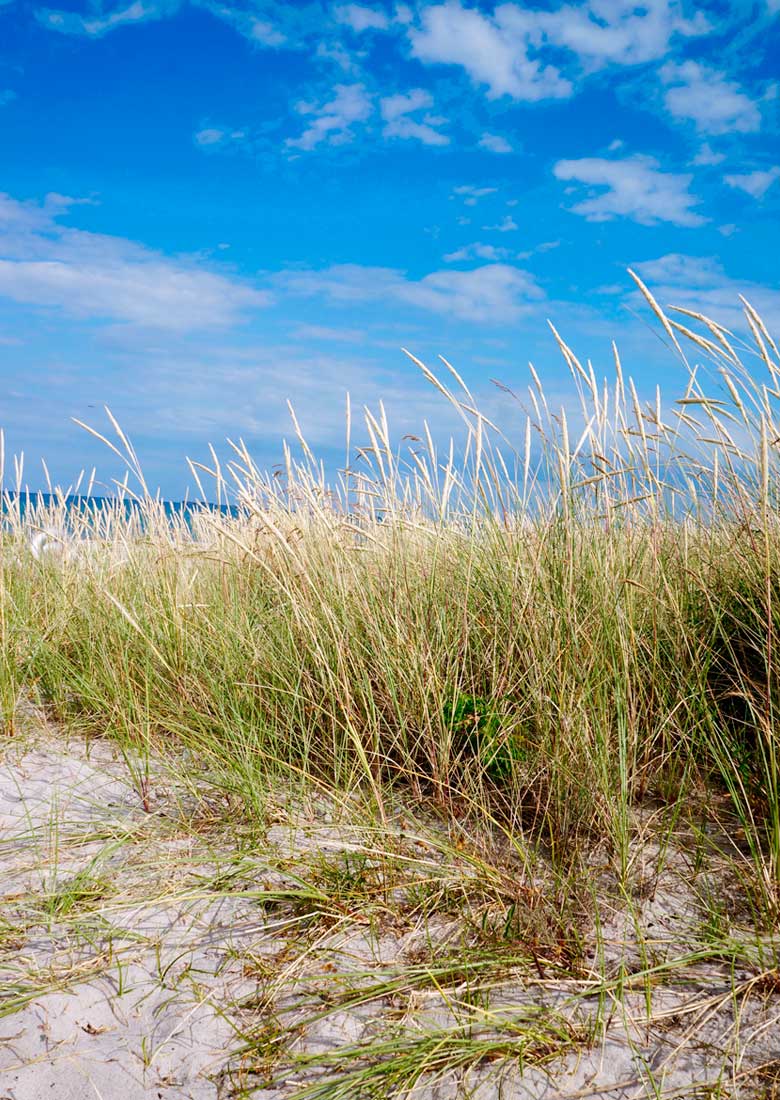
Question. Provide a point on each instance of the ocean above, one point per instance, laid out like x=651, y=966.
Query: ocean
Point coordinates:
x=28, y=504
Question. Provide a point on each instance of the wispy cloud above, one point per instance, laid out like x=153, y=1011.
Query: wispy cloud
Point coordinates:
x=332, y=122
x=329, y=334
x=755, y=183
x=397, y=109
x=495, y=292
x=211, y=136
x=262, y=26
x=471, y=194
x=539, y=249
x=478, y=251
x=506, y=225
x=488, y=49
x=635, y=188
x=361, y=18
x=270, y=24
x=98, y=23
x=707, y=157
x=705, y=97
x=525, y=52
x=494, y=143
x=338, y=55
x=98, y=277
x=700, y=283
x=208, y=391
x=607, y=32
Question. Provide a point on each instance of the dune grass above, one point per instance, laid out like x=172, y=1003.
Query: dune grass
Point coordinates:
x=535, y=643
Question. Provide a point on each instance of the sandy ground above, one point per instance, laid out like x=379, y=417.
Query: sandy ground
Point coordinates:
x=136, y=959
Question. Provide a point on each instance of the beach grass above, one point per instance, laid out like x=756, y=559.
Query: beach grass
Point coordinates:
x=533, y=655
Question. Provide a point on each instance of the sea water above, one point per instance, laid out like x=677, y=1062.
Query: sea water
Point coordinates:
x=28, y=506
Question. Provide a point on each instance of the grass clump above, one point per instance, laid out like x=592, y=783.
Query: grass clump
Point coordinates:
x=535, y=645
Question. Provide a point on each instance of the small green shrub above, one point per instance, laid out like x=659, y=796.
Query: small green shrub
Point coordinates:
x=481, y=729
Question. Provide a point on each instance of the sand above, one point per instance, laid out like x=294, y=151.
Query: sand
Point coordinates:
x=136, y=958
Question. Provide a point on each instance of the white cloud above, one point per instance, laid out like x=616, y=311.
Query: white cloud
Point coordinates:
x=677, y=269
x=471, y=194
x=700, y=283
x=518, y=50
x=488, y=50
x=506, y=225
x=276, y=24
x=330, y=334
x=257, y=28
x=7, y=96
x=606, y=32
x=395, y=106
x=545, y=246
x=337, y=54
x=707, y=157
x=270, y=24
x=214, y=389
x=212, y=136
x=360, y=18
x=331, y=122
x=95, y=26
x=209, y=137
x=263, y=32
x=494, y=143
x=55, y=204
x=706, y=98
x=478, y=251
x=635, y=188
x=493, y=293
x=755, y=183
x=395, y=110
x=98, y=277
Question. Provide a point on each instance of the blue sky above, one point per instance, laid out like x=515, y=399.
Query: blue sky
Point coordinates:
x=208, y=208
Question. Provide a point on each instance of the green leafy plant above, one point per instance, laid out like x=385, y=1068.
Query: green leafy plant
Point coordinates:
x=481, y=728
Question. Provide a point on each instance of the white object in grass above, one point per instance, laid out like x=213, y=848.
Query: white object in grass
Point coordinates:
x=48, y=541
x=52, y=543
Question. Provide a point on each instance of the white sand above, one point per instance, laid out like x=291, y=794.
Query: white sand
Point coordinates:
x=127, y=998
